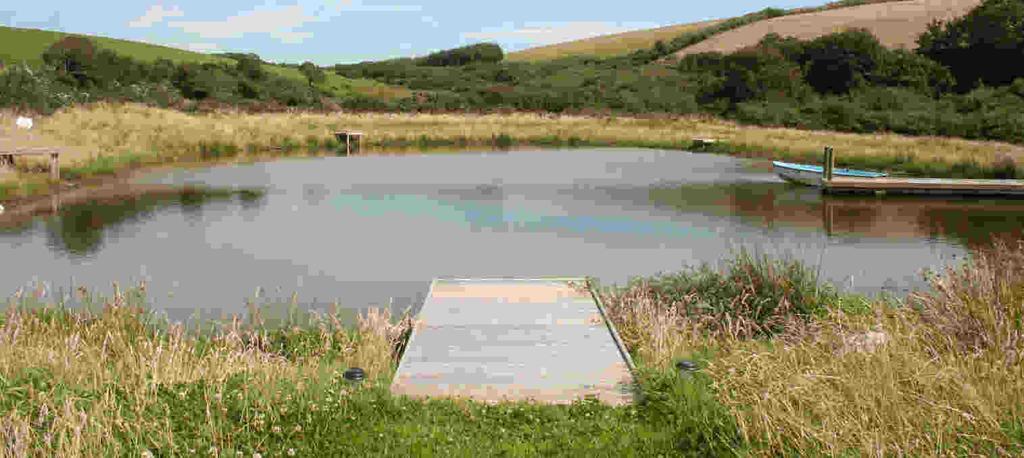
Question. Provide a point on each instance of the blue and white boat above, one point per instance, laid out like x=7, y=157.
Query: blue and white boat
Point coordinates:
x=811, y=175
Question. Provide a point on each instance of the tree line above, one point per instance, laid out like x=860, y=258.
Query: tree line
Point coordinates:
x=965, y=78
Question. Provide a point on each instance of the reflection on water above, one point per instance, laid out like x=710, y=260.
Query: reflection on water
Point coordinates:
x=80, y=229
x=970, y=221
x=374, y=230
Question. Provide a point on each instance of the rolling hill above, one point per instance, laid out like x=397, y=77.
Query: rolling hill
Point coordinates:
x=27, y=45
x=858, y=11
x=608, y=45
x=896, y=24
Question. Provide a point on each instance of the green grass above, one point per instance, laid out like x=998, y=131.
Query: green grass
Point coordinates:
x=28, y=45
x=257, y=409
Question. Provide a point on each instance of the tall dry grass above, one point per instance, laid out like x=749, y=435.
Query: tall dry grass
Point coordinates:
x=96, y=377
x=943, y=377
x=115, y=129
x=978, y=308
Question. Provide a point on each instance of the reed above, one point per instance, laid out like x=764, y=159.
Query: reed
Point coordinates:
x=939, y=377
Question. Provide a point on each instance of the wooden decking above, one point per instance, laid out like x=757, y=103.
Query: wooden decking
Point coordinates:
x=490, y=340
x=7, y=156
x=937, y=186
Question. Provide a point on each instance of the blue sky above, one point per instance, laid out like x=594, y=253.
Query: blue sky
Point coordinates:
x=338, y=31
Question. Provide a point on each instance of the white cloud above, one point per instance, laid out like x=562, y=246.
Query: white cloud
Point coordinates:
x=430, y=20
x=279, y=23
x=359, y=6
x=197, y=47
x=542, y=33
x=155, y=14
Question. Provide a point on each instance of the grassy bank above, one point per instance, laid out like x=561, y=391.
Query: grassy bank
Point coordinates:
x=105, y=138
x=788, y=366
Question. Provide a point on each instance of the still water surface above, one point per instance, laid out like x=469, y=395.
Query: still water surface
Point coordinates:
x=374, y=230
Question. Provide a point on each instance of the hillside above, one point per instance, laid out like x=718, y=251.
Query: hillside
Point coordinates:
x=608, y=45
x=27, y=45
x=895, y=24
x=627, y=42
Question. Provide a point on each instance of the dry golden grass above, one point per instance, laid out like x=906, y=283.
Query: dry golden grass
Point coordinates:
x=168, y=135
x=896, y=24
x=943, y=377
x=115, y=354
x=831, y=393
x=608, y=45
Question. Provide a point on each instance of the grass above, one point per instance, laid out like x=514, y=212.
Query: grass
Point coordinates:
x=607, y=45
x=28, y=45
x=851, y=377
x=105, y=137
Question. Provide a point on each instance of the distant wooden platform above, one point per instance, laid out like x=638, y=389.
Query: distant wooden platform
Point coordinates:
x=7, y=156
x=936, y=186
x=352, y=140
x=493, y=340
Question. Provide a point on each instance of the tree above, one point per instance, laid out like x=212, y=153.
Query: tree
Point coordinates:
x=249, y=65
x=985, y=46
x=71, y=57
x=313, y=73
x=836, y=63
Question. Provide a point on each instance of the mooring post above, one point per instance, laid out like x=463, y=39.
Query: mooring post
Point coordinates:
x=55, y=166
x=829, y=163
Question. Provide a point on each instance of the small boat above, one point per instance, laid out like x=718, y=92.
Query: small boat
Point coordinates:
x=811, y=175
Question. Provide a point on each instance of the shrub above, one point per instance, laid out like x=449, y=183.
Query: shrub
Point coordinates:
x=836, y=63
x=992, y=32
x=483, y=52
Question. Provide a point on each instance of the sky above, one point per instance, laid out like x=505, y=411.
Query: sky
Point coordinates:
x=345, y=31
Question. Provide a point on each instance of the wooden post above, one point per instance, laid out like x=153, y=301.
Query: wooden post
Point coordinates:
x=829, y=162
x=55, y=166
x=348, y=143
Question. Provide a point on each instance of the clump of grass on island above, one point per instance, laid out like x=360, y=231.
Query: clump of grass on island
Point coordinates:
x=103, y=138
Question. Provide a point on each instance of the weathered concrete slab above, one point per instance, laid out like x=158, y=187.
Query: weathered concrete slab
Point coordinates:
x=514, y=339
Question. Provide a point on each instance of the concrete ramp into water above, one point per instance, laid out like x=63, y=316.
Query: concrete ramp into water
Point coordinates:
x=546, y=340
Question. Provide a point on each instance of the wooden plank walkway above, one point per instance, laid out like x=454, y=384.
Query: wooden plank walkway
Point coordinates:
x=937, y=186
x=491, y=340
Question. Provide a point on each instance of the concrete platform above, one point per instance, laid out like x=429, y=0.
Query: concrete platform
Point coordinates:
x=493, y=340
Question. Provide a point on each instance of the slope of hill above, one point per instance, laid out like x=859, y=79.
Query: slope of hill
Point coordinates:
x=17, y=45
x=896, y=24
x=627, y=42
x=608, y=45
x=28, y=45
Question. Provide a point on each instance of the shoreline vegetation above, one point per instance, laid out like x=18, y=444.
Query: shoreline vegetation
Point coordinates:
x=787, y=365
x=104, y=139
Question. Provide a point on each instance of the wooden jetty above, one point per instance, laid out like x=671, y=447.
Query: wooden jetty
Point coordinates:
x=493, y=340
x=906, y=185
x=931, y=186
x=700, y=143
x=350, y=139
x=7, y=158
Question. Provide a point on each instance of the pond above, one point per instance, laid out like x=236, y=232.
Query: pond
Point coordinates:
x=374, y=230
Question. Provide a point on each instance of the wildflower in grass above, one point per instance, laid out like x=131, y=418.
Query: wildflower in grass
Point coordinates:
x=257, y=455
x=297, y=428
x=147, y=454
x=276, y=429
x=291, y=452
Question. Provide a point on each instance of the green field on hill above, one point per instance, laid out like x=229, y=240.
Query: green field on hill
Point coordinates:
x=28, y=45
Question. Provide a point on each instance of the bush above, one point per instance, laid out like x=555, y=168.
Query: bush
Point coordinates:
x=971, y=45
x=836, y=63
x=483, y=52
